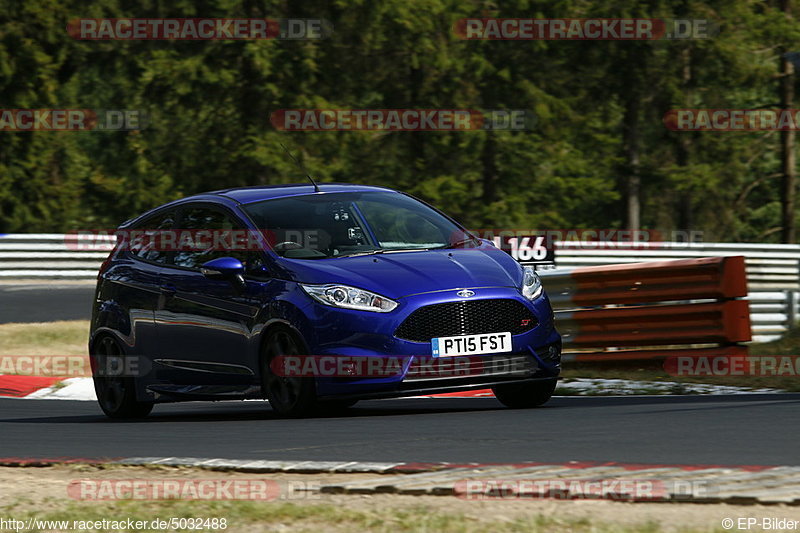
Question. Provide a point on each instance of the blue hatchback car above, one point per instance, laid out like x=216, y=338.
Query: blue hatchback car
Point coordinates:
x=343, y=272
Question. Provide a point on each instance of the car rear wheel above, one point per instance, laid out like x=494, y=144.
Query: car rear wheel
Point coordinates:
x=525, y=395
x=115, y=394
x=288, y=396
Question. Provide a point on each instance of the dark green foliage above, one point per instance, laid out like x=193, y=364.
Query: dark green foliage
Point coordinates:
x=209, y=105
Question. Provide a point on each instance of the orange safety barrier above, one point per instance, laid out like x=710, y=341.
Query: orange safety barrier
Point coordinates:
x=648, y=306
x=684, y=279
x=715, y=322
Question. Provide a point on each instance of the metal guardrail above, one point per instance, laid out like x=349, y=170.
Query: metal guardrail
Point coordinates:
x=50, y=256
x=773, y=270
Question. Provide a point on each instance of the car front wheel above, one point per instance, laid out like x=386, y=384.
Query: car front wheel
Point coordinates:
x=288, y=396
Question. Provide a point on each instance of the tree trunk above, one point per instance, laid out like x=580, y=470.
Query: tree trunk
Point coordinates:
x=489, y=165
x=787, y=145
x=683, y=146
x=633, y=180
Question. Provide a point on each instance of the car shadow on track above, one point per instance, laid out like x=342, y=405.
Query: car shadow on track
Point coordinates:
x=215, y=412
x=260, y=411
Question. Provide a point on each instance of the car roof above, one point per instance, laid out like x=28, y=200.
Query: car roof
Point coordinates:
x=258, y=193
x=246, y=195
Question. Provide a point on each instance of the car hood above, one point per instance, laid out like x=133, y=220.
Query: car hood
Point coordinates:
x=400, y=274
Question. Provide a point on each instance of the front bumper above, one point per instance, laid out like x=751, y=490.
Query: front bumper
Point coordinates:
x=341, y=332
x=442, y=388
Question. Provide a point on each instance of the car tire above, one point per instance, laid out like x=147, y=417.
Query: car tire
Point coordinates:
x=290, y=397
x=525, y=395
x=115, y=394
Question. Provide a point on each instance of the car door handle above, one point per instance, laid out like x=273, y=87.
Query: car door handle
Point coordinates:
x=168, y=290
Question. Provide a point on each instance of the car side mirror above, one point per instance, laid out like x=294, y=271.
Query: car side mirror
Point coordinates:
x=228, y=268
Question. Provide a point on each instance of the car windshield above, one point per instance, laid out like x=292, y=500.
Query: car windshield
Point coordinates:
x=324, y=225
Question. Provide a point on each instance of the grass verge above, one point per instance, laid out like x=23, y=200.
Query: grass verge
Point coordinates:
x=69, y=337
x=276, y=516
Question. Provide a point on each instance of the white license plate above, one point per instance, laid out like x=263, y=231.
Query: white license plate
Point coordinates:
x=471, y=344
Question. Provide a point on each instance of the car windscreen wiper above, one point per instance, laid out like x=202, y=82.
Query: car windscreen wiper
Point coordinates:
x=384, y=251
x=458, y=243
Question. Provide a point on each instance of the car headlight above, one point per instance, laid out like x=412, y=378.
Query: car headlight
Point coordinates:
x=349, y=298
x=531, y=283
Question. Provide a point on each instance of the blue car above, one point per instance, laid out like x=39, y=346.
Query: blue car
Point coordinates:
x=259, y=292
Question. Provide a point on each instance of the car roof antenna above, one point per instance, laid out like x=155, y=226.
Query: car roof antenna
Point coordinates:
x=299, y=164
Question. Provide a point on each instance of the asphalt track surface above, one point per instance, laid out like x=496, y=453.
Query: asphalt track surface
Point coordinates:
x=710, y=430
x=45, y=303
x=729, y=430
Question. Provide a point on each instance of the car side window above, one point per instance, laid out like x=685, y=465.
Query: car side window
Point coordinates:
x=209, y=237
x=146, y=243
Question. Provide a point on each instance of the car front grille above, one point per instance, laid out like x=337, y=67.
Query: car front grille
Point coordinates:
x=467, y=317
